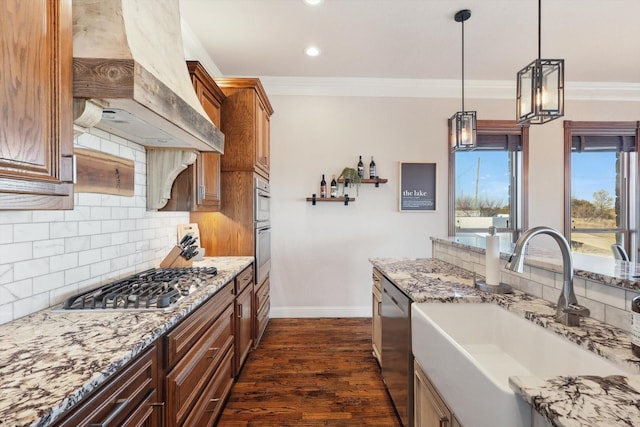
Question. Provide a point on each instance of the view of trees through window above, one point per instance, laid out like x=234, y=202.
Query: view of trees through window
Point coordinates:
x=595, y=201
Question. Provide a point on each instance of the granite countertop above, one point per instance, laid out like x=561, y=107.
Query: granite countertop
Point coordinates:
x=50, y=359
x=563, y=401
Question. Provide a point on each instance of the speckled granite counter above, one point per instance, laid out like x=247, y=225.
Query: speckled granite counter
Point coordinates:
x=563, y=401
x=51, y=359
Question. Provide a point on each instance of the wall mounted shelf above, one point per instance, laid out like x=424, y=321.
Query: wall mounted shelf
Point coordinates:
x=346, y=199
x=376, y=181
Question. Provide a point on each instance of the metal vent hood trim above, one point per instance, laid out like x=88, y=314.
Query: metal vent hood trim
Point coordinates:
x=128, y=54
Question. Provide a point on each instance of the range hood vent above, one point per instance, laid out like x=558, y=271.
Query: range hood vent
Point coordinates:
x=128, y=57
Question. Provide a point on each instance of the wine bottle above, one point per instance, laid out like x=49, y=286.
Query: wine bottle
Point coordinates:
x=360, y=168
x=334, y=187
x=635, y=326
x=372, y=169
x=323, y=188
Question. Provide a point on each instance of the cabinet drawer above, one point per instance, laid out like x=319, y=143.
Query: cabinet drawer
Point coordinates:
x=244, y=278
x=262, y=294
x=211, y=402
x=192, y=373
x=377, y=279
x=183, y=337
x=124, y=400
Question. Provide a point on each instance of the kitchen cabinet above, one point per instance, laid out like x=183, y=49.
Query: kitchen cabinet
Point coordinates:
x=36, y=137
x=262, y=305
x=430, y=410
x=246, y=116
x=243, y=317
x=376, y=316
x=199, y=354
x=130, y=398
x=197, y=188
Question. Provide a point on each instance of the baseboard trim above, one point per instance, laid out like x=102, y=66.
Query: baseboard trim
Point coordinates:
x=307, y=312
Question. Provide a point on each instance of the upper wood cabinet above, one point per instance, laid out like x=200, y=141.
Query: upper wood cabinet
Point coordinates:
x=36, y=130
x=197, y=188
x=245, y=122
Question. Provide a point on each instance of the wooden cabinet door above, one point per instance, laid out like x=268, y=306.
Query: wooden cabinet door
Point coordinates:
x=429, y=409
x=376, y=319
x=36, y=102
x=262, y=139
x=244, y=331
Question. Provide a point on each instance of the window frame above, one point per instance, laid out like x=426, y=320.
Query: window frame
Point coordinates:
x=500, y=128
x=632, y=215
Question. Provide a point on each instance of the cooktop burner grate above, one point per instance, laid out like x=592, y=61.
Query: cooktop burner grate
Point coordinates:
x=154, y=288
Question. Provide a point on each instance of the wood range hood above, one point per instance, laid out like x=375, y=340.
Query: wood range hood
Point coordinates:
x=129, y=55
x=130, y=79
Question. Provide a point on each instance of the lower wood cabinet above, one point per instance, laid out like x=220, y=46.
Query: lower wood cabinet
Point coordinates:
x=131, y=398
x=262, y=305
x=200, y=354
x=429, y=408
x=243, y=317
x=376, y=316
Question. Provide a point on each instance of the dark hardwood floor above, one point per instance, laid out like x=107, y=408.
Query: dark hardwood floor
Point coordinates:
x=311, y=372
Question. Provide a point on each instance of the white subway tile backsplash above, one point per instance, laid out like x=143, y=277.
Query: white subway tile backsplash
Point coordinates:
x=77, y=244
x=48, y=216
x=6, y=313
x=90, y=256
x=64, y=262
x=100, y=241
x=30, y=305
x=89, y=199
x=16, y=252
x=30, y=232
x=100, y=268
x=109, y=252
x=31, y=268
x=88, y=140
x=16, y=217
x=596, y=308
x=100, y=212
x=6, y=233
x=17, y=290
x=617, y=317
x=6, y=273
x=89, y=227
x=78, y=274
x=79, y=213
x=48, y=282
x=44, y=248
x=110, y=226
x=64, y=229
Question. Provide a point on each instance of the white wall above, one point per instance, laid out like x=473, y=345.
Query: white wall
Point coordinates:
x=320, y=253
x=47, y=256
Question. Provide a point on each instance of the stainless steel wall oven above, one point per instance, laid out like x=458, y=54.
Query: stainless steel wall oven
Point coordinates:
x=262, y=229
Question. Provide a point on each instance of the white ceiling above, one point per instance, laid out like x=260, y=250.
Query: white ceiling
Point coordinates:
x=418, y=39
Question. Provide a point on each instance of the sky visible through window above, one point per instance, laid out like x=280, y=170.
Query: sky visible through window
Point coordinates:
x=590, y=172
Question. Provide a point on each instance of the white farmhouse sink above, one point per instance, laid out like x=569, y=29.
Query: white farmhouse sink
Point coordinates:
x=469, y=351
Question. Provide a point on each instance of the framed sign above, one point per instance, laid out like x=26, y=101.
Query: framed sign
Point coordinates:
x=418, y=187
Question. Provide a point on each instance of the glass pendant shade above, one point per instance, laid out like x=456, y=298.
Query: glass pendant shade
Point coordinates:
x=463, y=131
x=540, y=91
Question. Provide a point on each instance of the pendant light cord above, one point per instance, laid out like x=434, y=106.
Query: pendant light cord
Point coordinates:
x=539, y=29
x=463, y=65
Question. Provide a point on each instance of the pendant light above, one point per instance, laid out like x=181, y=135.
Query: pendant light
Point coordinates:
x=463, y=123
x=540, y=88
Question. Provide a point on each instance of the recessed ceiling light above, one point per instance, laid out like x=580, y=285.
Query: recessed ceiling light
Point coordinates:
x=313, y=2
x=312, y=51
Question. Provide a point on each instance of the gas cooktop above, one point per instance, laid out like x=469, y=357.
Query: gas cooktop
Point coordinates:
x=157, y=288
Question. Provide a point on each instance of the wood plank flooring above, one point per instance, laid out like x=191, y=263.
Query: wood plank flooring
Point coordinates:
x=311, y=372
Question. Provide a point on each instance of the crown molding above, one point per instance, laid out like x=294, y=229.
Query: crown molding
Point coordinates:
x=422, y=88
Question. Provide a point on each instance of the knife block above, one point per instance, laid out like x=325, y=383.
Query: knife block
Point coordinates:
x=174, y=260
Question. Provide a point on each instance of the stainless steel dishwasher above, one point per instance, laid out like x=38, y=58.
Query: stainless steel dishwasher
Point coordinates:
x=397, y=360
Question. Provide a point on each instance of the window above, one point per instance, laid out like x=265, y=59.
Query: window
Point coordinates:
x=487, y=185
x=601, y=188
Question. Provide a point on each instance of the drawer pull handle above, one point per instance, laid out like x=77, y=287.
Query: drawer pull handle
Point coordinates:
x=215, y=352
x=240, y=311
x=119, y=406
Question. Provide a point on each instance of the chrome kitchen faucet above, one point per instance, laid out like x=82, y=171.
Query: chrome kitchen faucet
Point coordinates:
x=568, y=311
